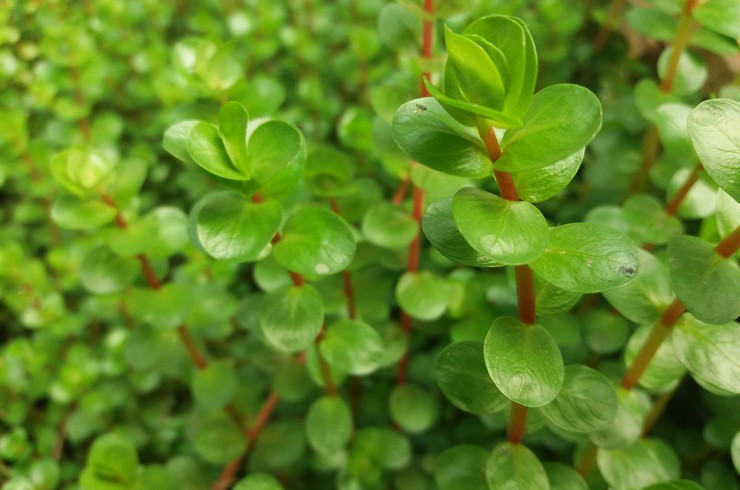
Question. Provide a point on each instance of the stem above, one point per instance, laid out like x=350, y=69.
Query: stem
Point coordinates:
x=329, y=386
x=228, y=475
x=587, y=460
x=679, y=44
x=427, y=42
x=84, y=122
x=727, y=247
x=349, y=293
x=148, y=271
x=403, y=363
x=659, y=406
x=606, y=27
x=400, y=193
x=525, y=294
x=261, y=420
x=517, y=424
x=193, y=351
x=673, y=206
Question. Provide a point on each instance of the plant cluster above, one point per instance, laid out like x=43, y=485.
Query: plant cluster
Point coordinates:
x=424, y=244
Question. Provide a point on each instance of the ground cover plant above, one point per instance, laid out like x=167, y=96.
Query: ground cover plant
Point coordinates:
x=424, y=244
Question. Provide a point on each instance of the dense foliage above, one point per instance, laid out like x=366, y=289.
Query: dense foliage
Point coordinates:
x=365, y=244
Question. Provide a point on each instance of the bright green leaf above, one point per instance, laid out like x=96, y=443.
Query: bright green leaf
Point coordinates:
x=206, y=148
x=258, y=481
x=388, y=225
x=423, y=295
x=720, y=16
x=103, y=272
x=543, y=183
x=412, y=408
x=232, y=124
x=664, y=371
x=75, y=214
x=352, y=346
x=626, y=426
x=515, y=466
x=292, y=317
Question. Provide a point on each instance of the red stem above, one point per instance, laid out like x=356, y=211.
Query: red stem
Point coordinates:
x=603, y=34
x=261, y=420
x=427, y=42
x=518, y=423
x=727, y=247
x=525, y=294
x=673, y=206
x=679, y=44
x=400, y=193
x=192, y=347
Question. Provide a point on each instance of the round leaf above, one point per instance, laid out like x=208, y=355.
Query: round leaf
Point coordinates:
x=291, y=317
x=103, y=272
x=461, y=468
x=328, y=424
x=352, y=346
x=514, y=465
x=111, y=459
x=543, y=183
x=218, y=439
x=423, y=295
x=75, y=214
x=645, y=462
x=563, y=477
x=258, y=481
x=215, y=385
x=626, y=426
x=412, y=408
x=524, y=361
x=389, y=226
x=664, y=371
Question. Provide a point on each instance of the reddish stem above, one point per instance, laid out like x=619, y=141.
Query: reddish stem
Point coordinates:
x=727, y=247
x=673, y=206
x=525, y=294
x=149, y=275
x=683, y=33
x=400, y=193
x=261, y=420
x=349, y=293
x=427, y=42
x=326, y=377
x=228, y=475
x=193, y=351
x=603, y=35
x=518, y=423
x=403, y=363
x=297, y=279
x=587, y=460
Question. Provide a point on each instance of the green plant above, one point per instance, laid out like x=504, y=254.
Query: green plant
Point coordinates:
x=244, y=248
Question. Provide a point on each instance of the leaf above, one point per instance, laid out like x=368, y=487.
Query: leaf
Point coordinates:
x=552, y=300
x=461, y=468
x=515, y=466
x=412, y=408
x=586, y=402
x=291, y=317
x=423, y=295
x=440, y=229
x=315, y=242
x=218, y=439
x=429, y=135
x=75, y=214
x=453, y=106
x=691, y=73
x=675, y=485
x=649, y=97
x=176, y=141
x=328, y=173
x=560, y=121
x=463, y=378
x=163, y=308
x=110, y=459
x=705, y=282
x=587, y=258
x=258, y=481
x=103, y=272
x=648, y=221
x=276, y=155
x=711, y=353
x=735, y=451
x=386, y=447
x=524, y=361
x=647, y=295
x=720, y=16
x=352, y=346
x=227, y=226
x=232, y=125
x=664, y=371
x=626, y=426
x=82, y=171
x=207, y=150
x=388, y=225
x=398, y=28
x=645, y=462
x=328, y=424
x=506, y=231
x=564, y=477
x=712, y=126
x=155, y=476
x=543, y=183
x=215, y=385
x=281, y=445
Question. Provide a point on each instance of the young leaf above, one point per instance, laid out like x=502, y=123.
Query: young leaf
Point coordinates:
x=423, y=295
x=352, y=346
x=176, y=141
x=705, y=282
x=82, y=171
x=232, y=125
x=645, y=462
x=461, y=468
x=291, y=317
x=275, y=157
x=412, y=408
x=429, y=135
x=110, y=459
x=463, y=378
x=712, y=127
x=315, y=242
x=206, y=148
x=507, y=231
x=328, y=424
x=560, y=121
x=587, y=401
x=515, y=465
x=524, y=361
x=587, y=258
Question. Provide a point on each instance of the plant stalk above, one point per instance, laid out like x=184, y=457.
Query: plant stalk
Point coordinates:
x=683, y=32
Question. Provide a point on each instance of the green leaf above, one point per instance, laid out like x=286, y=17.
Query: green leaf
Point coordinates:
x=281, y=445
x=648, y=220
x=645, y=462
x=586, y=402
x=626, y=426
x=675, y=485
x=564, y=477
x=720, y=16
x=232, y=125
x=163, y=308
x=712, y=127
x=727, y=215
x=515, y=466
x=524, y=361
x=660, y=26
x=155, y=476
x=206, y=148
x=671, y=120
x=388, y=225
x=176, y=141
x=705, y=282
x=214, y=386
x=543, y=183
x=398, y=28
x=587, y=258
x=507, y=231
x=291, y=317
x=461, y=468
x=386, y=447
x=429, y=135
x=328, y=172
x=711, y=353
x=664, y=371
x=276, y=155
x=352, y=346
x=453, y=106
x=412, y=408
x=552, y=300
x=75, y=214
x=560, y=121
x=227, y=226
x=649, y=97
x=463, y=378
x=218, y=439
x=258, y=481
x=112, y=461
x=315, y=242
x=423, y=295
x=647, y=295
x=328, y=424
x=691, y=74
x=441, y=230
x=735, y=452
x=103, y=272
x=82, y=171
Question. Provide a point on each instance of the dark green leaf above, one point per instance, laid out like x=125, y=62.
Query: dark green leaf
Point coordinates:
x=648, y=222
x=515, y=466
x=388, y=225
x=626, y=426
x=563, y=477
x=675, y=485
x=258, y=481
x=461, y=468
x=328, y=424
x=291, y=317
x=218, y=439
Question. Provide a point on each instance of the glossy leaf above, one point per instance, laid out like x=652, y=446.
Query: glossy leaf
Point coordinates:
x=552, y=300
x=560, y=121
x=229, y=227
x=412, y=408
x=291, y=317
x=645, y=462
x=103, y=272
x=315, y=242
x=509, y=232
x=215, y=385
x=705, y=282
x=275, y=156
x=461, y=468
x=524, y=361
x=352, y=346
x=587, y=258
x=720, y=16
x=711, y=353
x=712, y=128
x=470, y=110
x=429, y=135
x=232, y=124
x=543, y=183
x=423, y=295
x=515, y=465
x=206, y=148
x=463, y=378
x=176, y=141
x=586, y=402
x=604, y=332
x=441, y=230
x=328, y=424
x=389, y=226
